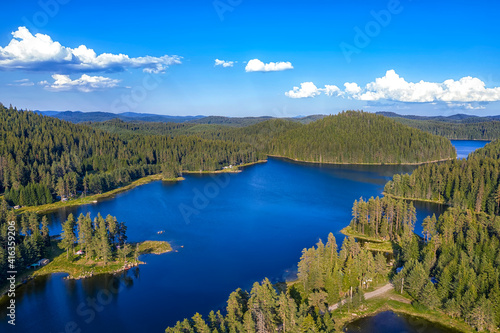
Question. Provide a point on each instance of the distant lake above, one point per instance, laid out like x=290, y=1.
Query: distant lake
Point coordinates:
x=228, y=231
x=465, y=147
x=390, y=322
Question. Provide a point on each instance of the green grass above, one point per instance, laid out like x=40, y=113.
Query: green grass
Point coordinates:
x=392, y=301
x=234, y=169
x=144, y=180
x=370, y=243
x=441, y=202
x=389, y=301
x=93, y=198
x=154, y=247
x=76, y=266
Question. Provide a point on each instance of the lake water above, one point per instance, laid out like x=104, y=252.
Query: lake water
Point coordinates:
x=465, y=147
x=228, y=231
x=390, y=322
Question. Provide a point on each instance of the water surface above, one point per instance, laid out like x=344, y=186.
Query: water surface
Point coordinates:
x=465, y=147
x=228, y=231
x=390, y=322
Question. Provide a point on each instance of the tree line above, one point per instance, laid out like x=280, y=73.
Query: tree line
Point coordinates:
x=39, y=153
x=349, y=137
x=360, y=137
x=31, y=241
x=472, y=183
x=457, y=268
x=484, y=130
x=384, y=218
x=325, y=276
x=99, y=239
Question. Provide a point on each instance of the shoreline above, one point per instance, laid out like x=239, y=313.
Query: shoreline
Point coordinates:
x=370, y=243
x=359, y=163
x=145, y=247
x=92, y=199
x=415, y=199
x=234, y=169
x=399, y=307
x=58, y=256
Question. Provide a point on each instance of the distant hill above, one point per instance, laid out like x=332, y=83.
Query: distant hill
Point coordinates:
x=79, y=116
x=457, y=118
x=360, y=137
x=99, y=116
x=248, y=121
x=458, y=127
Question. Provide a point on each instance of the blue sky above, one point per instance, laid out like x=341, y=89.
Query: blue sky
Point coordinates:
x=288, y=57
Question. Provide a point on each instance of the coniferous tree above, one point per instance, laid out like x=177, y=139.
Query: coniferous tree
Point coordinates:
x=68, y=236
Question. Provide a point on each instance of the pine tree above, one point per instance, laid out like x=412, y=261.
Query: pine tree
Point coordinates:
x=113, y=228
x=429, y=296
x=200, y=324
x=45, y=230
x=85, y=234
x=104, y=245
x=68, y=236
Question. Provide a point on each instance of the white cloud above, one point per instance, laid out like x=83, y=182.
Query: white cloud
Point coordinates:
x=22, y=83
x=332, y=90
x=352, y=88
x=465, y=106
x=395, y=88
x=41, y=53
x=85, y=83
x=255, y=65
x=224, y=63
x=309, y=89
x=306, y=90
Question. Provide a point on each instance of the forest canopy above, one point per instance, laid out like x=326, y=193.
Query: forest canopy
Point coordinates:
x=360, y=137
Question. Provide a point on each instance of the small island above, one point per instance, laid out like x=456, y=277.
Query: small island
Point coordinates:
x=78, y=267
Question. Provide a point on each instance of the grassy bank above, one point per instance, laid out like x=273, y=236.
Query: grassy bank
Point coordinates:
x=370, y=243
x=78, y=267
x=441, y=202
x=144, y=180
x=392, y=301
x=359, y=163
x=233, y=169
x=96, y=197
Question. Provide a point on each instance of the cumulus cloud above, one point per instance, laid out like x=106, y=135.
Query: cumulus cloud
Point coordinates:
x=40, y=53
x=255, y=65
x=352, y=88
x=332, y=90
x=309, y=89
x=224, y=63
x=306, y=90
x=392, y=87
x=85, y=83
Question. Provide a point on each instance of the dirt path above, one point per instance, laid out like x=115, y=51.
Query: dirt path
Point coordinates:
x=371, y=294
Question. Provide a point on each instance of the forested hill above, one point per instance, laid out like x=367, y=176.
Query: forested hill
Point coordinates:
x=41, y=157
x=456, y=118
x=79, y=116
x=484, y=130
x=360, y=137
x=473, y=183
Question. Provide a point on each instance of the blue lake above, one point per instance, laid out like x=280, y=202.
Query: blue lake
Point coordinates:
x=465, y=147
x=228, y=231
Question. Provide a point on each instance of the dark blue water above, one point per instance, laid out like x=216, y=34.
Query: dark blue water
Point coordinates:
x=228, y=232
x=389, y=322
x=465, y=147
